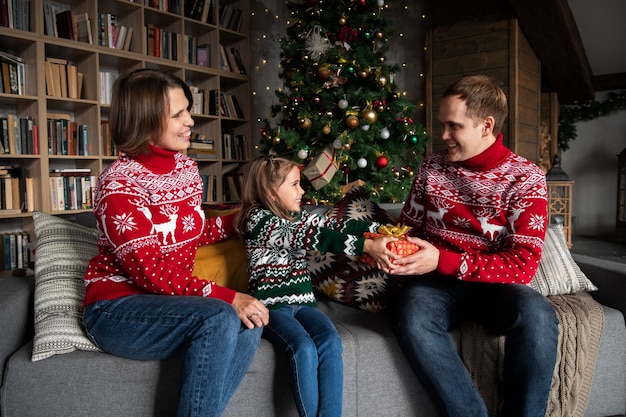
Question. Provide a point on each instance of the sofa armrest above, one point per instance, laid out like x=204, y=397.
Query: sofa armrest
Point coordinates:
x=16, y=315
x=611, y=282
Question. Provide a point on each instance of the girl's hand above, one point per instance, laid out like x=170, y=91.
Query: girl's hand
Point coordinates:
x=251, y=311
x=377, y=249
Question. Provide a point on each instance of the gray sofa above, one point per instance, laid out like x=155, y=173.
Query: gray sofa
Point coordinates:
x=378, y=380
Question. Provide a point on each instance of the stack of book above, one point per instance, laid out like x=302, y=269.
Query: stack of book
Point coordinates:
x=14, y=251
x=71, y=188
x=16, y=190
x=202, y=148
x=63, y=78
x=19, y=135
x=12, y=74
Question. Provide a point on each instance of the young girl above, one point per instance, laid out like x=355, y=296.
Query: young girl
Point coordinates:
x=277, y=234
x=142, y=301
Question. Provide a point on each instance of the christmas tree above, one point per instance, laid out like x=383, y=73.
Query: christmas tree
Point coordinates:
x=339, y=113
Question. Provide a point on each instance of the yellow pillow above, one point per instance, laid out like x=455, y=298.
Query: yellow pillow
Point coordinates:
x=225, y=263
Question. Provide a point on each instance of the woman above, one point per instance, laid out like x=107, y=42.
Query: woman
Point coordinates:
x=142, y=301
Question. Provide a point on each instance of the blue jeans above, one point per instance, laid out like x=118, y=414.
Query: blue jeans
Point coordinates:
x=430, y=306
x=215, y=347
x=315, y=356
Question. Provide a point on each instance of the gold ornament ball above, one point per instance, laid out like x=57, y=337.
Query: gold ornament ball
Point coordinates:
x=379, y=34
x=381, y=81
x=323, y=72
x=342, y=20
x=346, y=146
x=276, y=140
x=326, y=130
x=305, y=123
x=370, y=116
x=352, y=122
x=362, y=74
x=381, y=59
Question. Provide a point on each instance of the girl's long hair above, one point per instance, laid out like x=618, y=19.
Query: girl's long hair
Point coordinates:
x=261, y=177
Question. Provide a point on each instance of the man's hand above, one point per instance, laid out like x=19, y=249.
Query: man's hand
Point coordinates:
x=421, y=262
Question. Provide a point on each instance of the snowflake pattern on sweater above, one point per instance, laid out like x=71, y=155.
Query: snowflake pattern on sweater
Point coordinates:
x=277, y=248
x=487, y=215
x=149, y=211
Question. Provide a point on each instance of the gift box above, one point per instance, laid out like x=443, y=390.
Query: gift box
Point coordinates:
x=400, y=247
x=322, y=168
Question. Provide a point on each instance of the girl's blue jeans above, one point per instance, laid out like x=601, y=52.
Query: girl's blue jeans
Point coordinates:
x=430, y=306
x=216, y=348
x=315, y=356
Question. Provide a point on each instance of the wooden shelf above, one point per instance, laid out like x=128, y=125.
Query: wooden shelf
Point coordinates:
x=90, y=109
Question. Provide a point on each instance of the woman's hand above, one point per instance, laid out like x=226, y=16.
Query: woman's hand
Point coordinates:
x=251, y=311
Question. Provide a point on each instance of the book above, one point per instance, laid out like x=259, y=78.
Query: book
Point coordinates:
x=199, y=153
x=65, y=25
x=83, y=28
x=202, y=55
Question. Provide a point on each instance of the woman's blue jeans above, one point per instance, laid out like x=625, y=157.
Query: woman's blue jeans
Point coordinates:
x=313, y=345
x=430, y=306
x=215, y=347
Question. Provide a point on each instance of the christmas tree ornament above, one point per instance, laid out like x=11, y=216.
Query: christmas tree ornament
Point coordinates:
x=326, y=130
x=381, y=80
x=337, y=143
x=361, y=163
x=303, y=153
x=305, y=123
x=369, y=115
x=323, y=72
x=352, y=122
x=346, y=146
x=365, y=128
x=276, y=140
x=322, y=168
x=317, y=44
x=384, y=133
x=342, y=20
x=381, y=162
x=342, y=104
x=413, y=139
x=380, y=3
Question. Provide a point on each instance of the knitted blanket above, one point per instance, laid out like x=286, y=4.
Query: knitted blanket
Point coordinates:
x=581, y=321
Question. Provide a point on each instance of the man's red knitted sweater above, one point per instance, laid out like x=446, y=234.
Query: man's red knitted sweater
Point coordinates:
x=486, y=215
x=149, y=211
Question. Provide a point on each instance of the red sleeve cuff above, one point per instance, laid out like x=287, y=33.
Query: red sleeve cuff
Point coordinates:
x=449, y=263
x=223, y=293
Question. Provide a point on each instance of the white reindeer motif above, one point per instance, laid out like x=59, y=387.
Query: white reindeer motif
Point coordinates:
x=437, y=215
x=415, y=210
x=166, y=228
x=169, y=227
x=518, y=209
x=490, y=231
x=196, y=204
x=100, y=212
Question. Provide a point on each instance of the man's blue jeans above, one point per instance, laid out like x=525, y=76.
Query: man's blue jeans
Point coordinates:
x=216, y=348
x=430, y=306
x=315, y=356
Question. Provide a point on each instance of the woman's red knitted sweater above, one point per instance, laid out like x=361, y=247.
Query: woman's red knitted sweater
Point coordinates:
x=148, y=209
x=487, y=215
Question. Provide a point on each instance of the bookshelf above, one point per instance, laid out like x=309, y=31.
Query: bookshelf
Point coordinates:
x=184, y=37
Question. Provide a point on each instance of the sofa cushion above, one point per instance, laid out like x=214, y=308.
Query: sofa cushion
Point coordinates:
x=346, y=278
x=558, y=273
x=63, y=250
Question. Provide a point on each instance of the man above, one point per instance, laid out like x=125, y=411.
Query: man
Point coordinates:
x=479, y=214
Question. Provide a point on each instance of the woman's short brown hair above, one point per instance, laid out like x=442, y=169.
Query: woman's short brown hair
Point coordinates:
x=140, y=107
